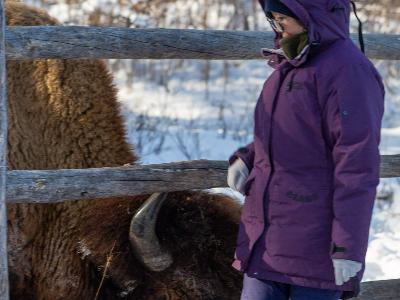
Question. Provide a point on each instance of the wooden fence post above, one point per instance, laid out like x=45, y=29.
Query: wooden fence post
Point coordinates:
x=4, y=288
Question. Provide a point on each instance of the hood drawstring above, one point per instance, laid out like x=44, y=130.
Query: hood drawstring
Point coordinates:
x=360, y=33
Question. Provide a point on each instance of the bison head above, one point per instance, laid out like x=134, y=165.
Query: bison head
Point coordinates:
x=182, y=251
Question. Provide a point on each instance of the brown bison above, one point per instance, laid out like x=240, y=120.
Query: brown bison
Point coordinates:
x=64, y=114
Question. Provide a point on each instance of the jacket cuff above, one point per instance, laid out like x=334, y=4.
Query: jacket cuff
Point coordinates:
x=342, y=252
x=245, y=155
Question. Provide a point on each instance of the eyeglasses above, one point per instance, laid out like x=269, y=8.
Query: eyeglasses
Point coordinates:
x=275, y=25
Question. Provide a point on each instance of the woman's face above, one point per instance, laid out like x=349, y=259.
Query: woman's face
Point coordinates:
x=289, y=25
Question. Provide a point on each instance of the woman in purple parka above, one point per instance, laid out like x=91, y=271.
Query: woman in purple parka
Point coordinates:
x=311, y=172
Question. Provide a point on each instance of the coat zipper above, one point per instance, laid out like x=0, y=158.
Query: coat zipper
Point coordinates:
x=270, y=136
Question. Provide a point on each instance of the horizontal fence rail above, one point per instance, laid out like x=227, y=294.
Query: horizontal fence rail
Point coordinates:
x=50, y=186
x=379, y=290
x=74, y=184
x=33, y=42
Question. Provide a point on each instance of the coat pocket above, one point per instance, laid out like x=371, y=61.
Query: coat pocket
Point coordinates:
x=300, y=216
x=301, y=203
x=294, y=241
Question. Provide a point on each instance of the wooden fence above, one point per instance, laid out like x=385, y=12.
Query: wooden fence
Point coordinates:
x=4, y=293
x=29, y=42
x=51, y=186
x=33, y=42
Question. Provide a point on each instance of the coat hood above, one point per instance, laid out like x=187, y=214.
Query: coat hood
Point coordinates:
x=325, y=20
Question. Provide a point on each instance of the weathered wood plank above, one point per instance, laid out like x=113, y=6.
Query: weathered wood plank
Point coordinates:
x=30, y=42
x=72, y=184
x=43, y=186
x=380, y=290
x=4, y=288
x=390, y=166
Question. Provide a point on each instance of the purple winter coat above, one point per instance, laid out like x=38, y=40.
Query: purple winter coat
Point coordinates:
x=314, y=162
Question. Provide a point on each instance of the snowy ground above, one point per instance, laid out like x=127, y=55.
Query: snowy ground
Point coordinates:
x=383, y=255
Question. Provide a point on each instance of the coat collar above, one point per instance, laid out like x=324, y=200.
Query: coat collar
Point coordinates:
x=277, y=56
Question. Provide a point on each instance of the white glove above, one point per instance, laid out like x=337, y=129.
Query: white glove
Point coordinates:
x=237, y=175
x=344, y=269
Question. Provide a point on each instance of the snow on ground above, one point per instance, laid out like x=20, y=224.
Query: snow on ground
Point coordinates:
x=193, y=126
x=383, y=255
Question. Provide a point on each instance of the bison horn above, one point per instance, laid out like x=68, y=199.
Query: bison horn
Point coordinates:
x=143, y=237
